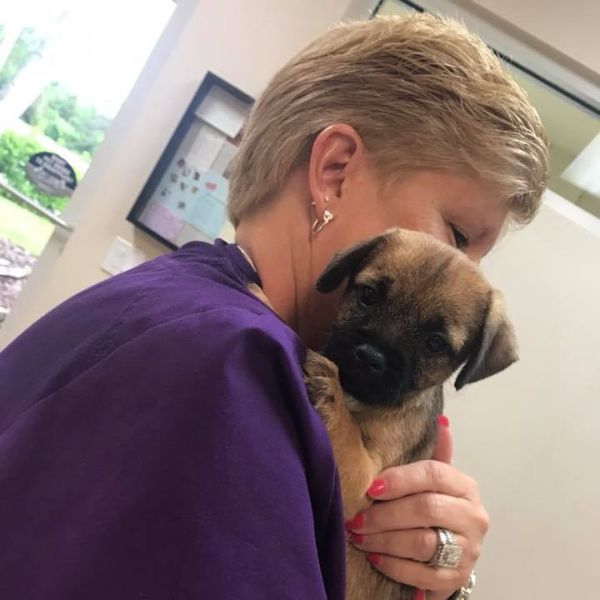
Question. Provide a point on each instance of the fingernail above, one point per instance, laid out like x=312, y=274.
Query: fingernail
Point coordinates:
x=377, y=488
x=374, y=558
x=443, y=420
x=355, y=523
x=419, y=594
x=356, y=538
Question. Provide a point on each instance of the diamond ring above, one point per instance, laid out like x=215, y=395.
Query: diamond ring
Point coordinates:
x=447, y=553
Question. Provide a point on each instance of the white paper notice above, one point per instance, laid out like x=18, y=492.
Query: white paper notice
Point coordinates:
x=223, y=159
x=223, y=111
x=206, y=148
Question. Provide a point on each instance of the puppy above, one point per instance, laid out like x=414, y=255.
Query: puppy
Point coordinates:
x=413, y=311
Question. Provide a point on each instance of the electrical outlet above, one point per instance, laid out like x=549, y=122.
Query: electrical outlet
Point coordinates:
x=122, y=256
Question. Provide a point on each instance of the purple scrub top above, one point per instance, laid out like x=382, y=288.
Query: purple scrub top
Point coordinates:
x=157, y=442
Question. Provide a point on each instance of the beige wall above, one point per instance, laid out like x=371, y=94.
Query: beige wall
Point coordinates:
x=568, y=27
x=531, y=435
x=243, y=42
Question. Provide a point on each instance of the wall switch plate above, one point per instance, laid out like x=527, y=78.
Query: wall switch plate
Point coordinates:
x=121, y=256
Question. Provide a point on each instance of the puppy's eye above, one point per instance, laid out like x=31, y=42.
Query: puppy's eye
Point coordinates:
x=368, y=295
x=436, y=343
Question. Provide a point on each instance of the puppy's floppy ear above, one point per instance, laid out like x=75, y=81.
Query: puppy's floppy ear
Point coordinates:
x=496, y=346
x=347, y=262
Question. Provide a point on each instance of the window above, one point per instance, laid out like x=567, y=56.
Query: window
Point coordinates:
x=66, y=67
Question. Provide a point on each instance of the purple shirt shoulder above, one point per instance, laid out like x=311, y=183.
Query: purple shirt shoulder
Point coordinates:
x=157, y=442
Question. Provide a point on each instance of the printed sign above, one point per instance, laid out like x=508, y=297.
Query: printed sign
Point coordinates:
x=51, y=174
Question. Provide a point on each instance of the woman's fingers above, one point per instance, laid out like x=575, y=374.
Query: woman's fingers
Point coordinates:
x=396, y=533
x=427, y=509
x=443, y=444
x=422, y=476
x=414, y=544
x=418, y=574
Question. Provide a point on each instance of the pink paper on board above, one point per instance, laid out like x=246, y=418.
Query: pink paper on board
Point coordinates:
x=161, y=220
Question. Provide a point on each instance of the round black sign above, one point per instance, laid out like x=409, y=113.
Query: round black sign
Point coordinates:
x=51, y=174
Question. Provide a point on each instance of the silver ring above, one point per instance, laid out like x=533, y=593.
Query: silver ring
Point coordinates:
x=447, y=553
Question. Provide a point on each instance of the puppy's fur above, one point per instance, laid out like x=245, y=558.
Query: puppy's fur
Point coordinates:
x=413, y=311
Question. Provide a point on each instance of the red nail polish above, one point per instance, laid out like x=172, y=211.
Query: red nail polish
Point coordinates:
x=443, y=420
x=419, y=594
x=374, y=558
x=356, y=538
x=355, y=523
x=377, y=488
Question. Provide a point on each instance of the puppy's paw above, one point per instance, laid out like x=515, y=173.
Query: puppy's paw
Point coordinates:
x=317, y=365
x=322, y=382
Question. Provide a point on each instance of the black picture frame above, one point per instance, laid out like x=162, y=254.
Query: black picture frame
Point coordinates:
x=210, y=80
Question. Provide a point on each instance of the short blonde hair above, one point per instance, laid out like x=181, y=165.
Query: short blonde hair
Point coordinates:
x=421, y=91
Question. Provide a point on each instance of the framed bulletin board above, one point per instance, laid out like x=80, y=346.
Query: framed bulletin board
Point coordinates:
x=185, y=197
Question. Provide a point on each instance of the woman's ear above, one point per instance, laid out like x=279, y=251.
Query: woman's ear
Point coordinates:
x=496, y=347
x=333, y=153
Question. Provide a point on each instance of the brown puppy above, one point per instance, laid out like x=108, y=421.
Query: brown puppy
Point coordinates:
x=413, y=311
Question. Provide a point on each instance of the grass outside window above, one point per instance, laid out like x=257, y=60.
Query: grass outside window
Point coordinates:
x=23, y=227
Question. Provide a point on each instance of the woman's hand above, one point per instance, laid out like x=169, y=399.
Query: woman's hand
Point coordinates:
x=397, y=533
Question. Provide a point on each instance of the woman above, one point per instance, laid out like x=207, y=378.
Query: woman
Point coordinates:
x=157, y=438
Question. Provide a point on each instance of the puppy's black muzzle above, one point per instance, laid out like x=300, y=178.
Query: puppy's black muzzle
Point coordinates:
x=370, y=358
x=370, y=371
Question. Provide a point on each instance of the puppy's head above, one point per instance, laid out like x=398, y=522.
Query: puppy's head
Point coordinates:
x=413, y=311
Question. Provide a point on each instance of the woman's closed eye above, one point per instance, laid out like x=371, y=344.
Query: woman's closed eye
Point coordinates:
x=460, y=239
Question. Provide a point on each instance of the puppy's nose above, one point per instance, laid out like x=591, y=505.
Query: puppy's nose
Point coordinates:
x=371, y=357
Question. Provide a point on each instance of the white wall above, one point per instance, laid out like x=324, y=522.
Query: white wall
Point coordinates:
x=568, y=27
x=243, y=42
x=557, y=41
x=531, y=436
